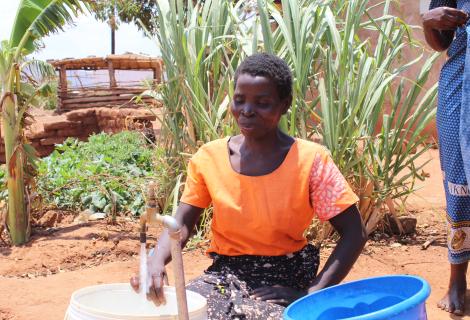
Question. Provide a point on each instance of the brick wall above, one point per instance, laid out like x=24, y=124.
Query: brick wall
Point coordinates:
x=81, y=124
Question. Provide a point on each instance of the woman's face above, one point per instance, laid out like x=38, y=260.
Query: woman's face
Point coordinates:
x=256, y=105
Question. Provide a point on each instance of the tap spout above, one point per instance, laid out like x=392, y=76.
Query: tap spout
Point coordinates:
x=143, y=228
x=170, y=223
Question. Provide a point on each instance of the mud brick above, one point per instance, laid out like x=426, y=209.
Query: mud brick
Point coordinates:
x=79, y=115
x=124, y=112
x=101, y=112
x=61, y=125
x=107, y=113
x=120, y=123
x=36, y=144
x=70, y=132
x=89, y=120
x=148, y=117
x=113, y=113
x=83, y=138
x=111, y=123
x=94, y=129
x=44, y=150
x=141, y=114
x=33, y=135
x=52, y=141
x=89, y=131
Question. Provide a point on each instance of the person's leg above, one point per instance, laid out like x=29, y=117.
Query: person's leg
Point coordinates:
x=456, y=186
x=454, y=300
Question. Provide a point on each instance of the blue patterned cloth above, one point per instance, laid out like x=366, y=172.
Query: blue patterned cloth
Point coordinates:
x=453, y=124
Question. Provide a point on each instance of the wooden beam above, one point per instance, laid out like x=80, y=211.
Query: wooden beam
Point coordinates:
x=157, y=73
x=63, y=86
x=107, y=104
x=102, y=93
x=155, y=76
x=97, y=99
x=112, y=76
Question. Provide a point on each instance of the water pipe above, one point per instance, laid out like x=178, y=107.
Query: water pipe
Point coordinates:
x=151, y=216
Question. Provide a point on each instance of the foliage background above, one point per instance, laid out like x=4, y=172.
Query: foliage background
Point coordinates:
x=350, y=91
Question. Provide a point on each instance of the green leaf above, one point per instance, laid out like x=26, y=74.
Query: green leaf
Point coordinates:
x=38, y=18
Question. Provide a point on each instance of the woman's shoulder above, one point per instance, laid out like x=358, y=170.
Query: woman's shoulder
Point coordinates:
x=311, y=146
x=213, y=145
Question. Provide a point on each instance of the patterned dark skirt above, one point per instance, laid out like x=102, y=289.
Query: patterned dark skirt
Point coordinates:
x=229, y=281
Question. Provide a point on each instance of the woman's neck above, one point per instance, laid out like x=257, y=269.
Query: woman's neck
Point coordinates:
x=266, y=143
x=261, y=156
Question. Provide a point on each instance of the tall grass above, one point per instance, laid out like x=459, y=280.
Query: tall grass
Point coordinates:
x=372, y=118
x=349, y=90
x=200, y=52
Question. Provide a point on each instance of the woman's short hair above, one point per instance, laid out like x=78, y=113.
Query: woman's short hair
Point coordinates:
x=269, y=66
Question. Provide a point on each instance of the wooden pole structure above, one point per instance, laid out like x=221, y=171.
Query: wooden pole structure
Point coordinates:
x=157, y=74
x=63, y=86
x=112, y=77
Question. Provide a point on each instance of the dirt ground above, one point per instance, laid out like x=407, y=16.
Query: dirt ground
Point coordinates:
x=37, y=280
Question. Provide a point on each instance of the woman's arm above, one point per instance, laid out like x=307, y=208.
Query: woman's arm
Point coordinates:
x=187, y=216
x=353, y=238
x=439, y=25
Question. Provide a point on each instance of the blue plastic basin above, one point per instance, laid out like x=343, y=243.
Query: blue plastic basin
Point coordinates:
x=397, y=297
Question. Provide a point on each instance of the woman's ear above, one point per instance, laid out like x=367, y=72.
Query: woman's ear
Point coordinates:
x=286, y=103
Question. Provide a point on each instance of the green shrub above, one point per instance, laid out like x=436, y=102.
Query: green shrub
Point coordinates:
x=106, y=174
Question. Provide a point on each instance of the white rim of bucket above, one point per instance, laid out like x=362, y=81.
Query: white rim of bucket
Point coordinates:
x=93, y=311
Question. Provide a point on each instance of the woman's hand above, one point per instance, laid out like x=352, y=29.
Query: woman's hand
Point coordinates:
x=444, y=18
x=187, y=216
x=157, y=278
x=277, y=294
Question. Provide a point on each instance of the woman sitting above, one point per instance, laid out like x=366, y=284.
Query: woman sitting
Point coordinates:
x=265, y=187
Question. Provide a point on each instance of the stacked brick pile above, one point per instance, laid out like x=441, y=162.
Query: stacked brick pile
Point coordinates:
x=81, y=124
x=117, y=120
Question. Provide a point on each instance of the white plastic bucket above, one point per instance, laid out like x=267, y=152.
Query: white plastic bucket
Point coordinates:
x=118, y=301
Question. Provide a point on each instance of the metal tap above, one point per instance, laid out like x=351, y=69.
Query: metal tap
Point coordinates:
x=151, y=217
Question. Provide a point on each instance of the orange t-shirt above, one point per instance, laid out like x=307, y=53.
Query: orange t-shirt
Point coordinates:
x=265, y=215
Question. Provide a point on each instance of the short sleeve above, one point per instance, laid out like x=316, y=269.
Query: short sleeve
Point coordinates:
x=442, y=3
x=330, y=193
x=195, y=190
